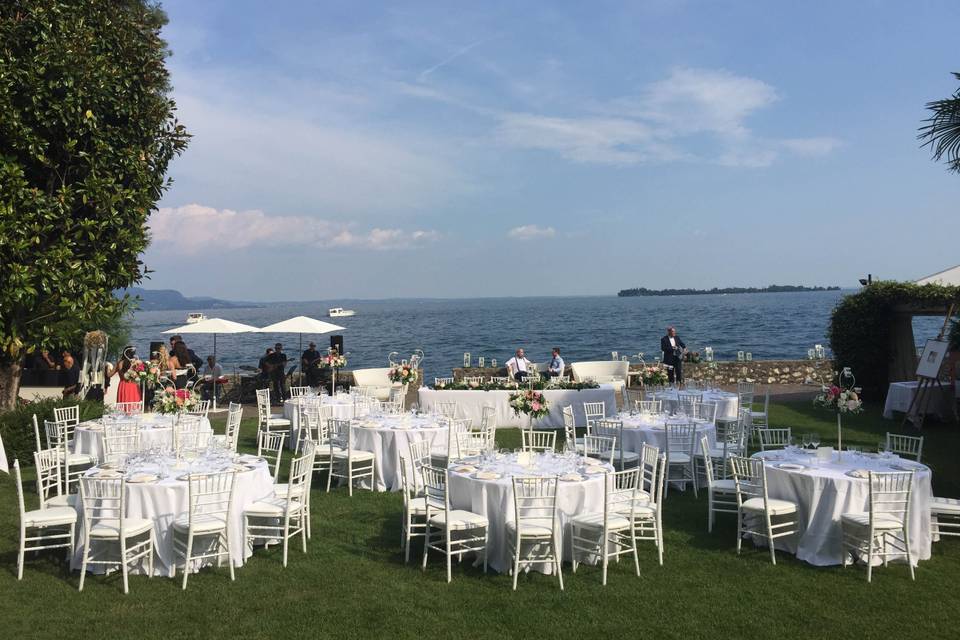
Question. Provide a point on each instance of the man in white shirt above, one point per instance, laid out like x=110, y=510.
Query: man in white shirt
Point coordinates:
x=518, y=366
x=673, y=349
x=211, y=373
x=555, y=370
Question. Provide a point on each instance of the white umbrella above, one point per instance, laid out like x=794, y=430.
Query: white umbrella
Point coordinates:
x=214, y=326
x=301, y=325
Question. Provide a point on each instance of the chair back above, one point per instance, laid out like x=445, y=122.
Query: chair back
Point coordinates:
x=681, y=439
x=904, y=445
x=210, y=495
x=232, y=430
x=47, y=463
x=408, y=480
x=129, y=408
x=705, y=411
x=600, y=447
x=773, y=438
x=447, y=409
x=750, y=477
x=201, y=410
x=538, y=441
x=392, y=408
x=419, y=457
x=188, y=433
x=470, y=444
x=299, y=392
x=69, y=415
x=708, y=460
x=19, y=480
x=472, y=379
x=687, y=400
x=435, y=488
x=301, y=474
x=594, y=411
x=454, y=428
x=103, y=501
x=442, y=381
x=890, y=494
x=647, y=407
x=569, y=428
x=119, y=441
x=620, y=493
x=488, y=417
x=263, y=406
x=270, y=448
x=535, y=499
x=652, y=464
x=58, y=434
x=611, y=429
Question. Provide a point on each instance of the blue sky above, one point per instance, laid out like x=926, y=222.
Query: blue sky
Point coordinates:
x=364, y=150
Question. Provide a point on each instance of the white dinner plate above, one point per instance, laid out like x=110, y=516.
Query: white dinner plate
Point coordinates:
x=791, y=466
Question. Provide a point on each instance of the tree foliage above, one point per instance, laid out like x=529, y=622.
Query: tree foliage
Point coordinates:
x=87, y=131
x=861, y=323
x=942, y=131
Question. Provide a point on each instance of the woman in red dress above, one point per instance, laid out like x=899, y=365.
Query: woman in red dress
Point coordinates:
x=127, y=391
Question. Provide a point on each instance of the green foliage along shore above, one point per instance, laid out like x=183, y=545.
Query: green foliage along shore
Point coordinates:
x=774, y=288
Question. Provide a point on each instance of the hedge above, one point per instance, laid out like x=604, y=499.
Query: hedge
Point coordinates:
x=16, y=425
x=860, y=326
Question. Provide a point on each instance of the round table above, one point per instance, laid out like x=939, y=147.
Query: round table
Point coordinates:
x=640, y=429
x=728, y=403
x=493, y=499
x=389, y=436
x=156, y=431
x=824, y=490
x=162, y=500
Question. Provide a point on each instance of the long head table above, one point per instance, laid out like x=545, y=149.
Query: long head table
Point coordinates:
x=470, y=404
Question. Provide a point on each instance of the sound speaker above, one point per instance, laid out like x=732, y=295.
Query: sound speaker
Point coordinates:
x=336, y=342
x=154, y=348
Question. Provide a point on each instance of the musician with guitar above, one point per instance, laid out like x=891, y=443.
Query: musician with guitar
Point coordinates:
x=673, y=350
x=276, y=368
x=308, y=364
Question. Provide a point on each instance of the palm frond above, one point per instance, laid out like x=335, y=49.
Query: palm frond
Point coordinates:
x=942, y=131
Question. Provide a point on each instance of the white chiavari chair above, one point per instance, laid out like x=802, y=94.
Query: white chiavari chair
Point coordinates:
x=631, y=396
x=904, y=445
x=686, y=400
x=773, y=438
x=471, y=444
x=267, y=421
x=449, y=450
x=52, y=526
x=231, y=434
x=49, y=485
x=207, y=520
x=622, y=459
x=538, y=441
x=272, y=518
x=883, y=531
x=398, y=396
x=447, y=409
x=944, y=518
x=756, y=510
x=68, y=415
x=681, y=443
x=721, y=493
x=348, y=463
x=120, y=441
x=73, y=465
x=452, y=532
x=391, y=408
x=299, y=392
x=106, y=524
x=129, y=408
x=270, y=447
x=705, y=411
x=414, y=507
x=442, y=381
x=499, y=379
x=488, y=417
x=648, y=512
x=609, y=534
x=189, y=433
x=761, y=418
x=600, y=447
x=473, y=379
x=572, y=442
x=534, y=523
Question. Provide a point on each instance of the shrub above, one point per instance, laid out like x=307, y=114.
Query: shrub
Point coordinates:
x=16, y=425
x=861, y=323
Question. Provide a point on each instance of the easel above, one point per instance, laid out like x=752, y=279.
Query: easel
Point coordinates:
x=916, y=412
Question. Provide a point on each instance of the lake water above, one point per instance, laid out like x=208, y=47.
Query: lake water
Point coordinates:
x=769, y=325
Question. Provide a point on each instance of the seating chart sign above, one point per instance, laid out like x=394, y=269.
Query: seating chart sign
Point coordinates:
x=932, y=358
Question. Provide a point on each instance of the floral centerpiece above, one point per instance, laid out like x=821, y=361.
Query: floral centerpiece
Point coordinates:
x=172, y=400
x=402, y=373
x=142, y=372
x=529, y=402
x=332, y=361
x=840, y=398
x=655, y=376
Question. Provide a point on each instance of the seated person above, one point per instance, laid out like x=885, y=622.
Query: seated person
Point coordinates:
x=72, y=379
x=212, y=372
x=555, y=369
x=518, y=366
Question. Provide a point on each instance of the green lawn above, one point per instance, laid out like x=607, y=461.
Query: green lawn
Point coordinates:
x=353, y=583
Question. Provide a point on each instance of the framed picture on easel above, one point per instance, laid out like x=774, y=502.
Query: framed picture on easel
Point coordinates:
x=932, y=358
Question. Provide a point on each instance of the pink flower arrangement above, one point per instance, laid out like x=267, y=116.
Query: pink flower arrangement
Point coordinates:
x=531, y=402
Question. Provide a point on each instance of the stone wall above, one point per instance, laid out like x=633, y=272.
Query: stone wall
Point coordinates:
x=725, y=372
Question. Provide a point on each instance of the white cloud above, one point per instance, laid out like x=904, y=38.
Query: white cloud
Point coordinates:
x=193, y=228
x=531, y=232
x=811, y=146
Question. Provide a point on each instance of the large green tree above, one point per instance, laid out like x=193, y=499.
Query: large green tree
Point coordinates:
x=942, y=130
x=87, y=131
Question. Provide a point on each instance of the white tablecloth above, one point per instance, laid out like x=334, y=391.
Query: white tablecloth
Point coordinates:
x=727, y=403
x=470, y=404
x=493, y=499
x=649, y=429
x=389, y=438
x=823, y=493
x=156, y=430
x=342, y=404
x=163, y=500
x=4, y=465
x=900, y=395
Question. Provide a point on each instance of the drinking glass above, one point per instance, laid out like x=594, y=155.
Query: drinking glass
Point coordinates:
x=815, y=440
x=806, y=441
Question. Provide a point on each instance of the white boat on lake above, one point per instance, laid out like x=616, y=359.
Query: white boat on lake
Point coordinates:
x=195, y=317
x=340, y=312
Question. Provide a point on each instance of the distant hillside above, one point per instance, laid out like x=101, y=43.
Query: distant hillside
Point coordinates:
x=774, y=288
x=169, y=299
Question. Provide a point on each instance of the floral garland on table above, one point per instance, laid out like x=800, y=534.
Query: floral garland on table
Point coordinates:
x=655, y=376
x=404, y=374
x=512, y=386
x=332, y=361
x=838, y=399
x=529, y=402
x=172, y=400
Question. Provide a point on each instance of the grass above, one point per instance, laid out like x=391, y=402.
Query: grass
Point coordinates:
x=352, y=583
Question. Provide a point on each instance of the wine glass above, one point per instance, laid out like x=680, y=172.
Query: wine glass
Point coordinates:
x=815, y=440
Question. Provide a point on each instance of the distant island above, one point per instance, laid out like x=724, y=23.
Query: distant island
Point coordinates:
x=774, y=288
x=169, y=299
